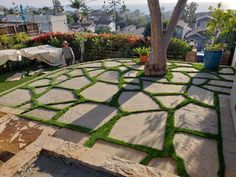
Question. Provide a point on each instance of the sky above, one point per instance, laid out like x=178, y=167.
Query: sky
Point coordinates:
x=39, y=3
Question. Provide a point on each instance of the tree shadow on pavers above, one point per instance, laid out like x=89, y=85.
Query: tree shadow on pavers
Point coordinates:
x=93, y=115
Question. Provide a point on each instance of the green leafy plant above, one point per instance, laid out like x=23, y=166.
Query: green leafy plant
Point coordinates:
x=178, y=49
x=222, y=22
x=142, y=50
x=54, y=41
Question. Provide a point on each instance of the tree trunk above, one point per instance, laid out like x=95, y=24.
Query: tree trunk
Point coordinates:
x=160, y=39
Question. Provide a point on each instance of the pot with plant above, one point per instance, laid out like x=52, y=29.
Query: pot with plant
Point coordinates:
x=143, y=53
x=222, y=22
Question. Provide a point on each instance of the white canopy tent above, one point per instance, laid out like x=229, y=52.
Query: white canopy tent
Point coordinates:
x=11, y=54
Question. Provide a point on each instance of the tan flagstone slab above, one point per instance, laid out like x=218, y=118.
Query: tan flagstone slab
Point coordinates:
x=136, y=101
x=180, y=77
x=132, y=80
x=131, y=87
x=226, y=71
x=227, y=77
x=197, y=118
x=100, y=92
x=61, y=78
x=95, y=72
x=111, y=76
x=72, y=136
x=93, y=65
x=91, y=69
x=58, y=73
x=221, y=83
x=89, y=115
x=202, y=95
x=75, y=83
x=131, y=73
x=15, y=77
x=203, y=75
x=77, y=72
x=218, y=89
x=163, y=88
x=40, y=113
x=170, y=101
x=183, y=64
x=146, y=129
x=165, y=164
x=61, y=106
x=197, y=81
x=155, y=79
x=41, y=82
x=200, y=155
x=111, y=64
x=186, y=69
x=120, y=151
x=27, y=106
x=123, y=68
x=40, y=90
x=16, y=97
x=137, y=67
x=56, y=95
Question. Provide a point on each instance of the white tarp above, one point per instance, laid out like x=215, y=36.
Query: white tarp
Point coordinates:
x=44, y=53
x=11, y=54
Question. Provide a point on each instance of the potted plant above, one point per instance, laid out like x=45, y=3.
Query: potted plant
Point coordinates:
x=222, y=22
x=143, y=53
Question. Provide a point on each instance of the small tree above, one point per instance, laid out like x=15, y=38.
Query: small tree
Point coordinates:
x=223, y=22
x=160, y=38
x=103, y=29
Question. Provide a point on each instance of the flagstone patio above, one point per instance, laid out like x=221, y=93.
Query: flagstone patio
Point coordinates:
x=172, y=123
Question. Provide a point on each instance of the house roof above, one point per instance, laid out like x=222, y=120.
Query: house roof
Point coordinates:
x=203, y=17
x=103, y=22
x=182, y=24
x=195, y=32
x=86, y=24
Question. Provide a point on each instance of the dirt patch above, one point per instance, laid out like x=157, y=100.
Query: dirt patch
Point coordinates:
x=2, y=114
x=48, y=166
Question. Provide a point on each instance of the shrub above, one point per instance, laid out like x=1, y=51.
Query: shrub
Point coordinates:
x=178, y=49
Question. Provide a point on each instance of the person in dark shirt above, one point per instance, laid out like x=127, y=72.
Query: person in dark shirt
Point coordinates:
x=68, y=53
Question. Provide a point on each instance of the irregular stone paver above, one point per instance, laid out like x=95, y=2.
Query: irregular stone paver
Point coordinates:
x=137, y=67
x=112, y=64
x=183, y=64
x=186, y=69
x=202, y=95
x=72, y=136
x=126, y=60
x=58, y=73
x=199, y=154
x=218, y=89
x=16, y=97
x=197, y=118
x=95, y=72
x=131, y=73
x=111, y=76
x=131, y=87
x=41, y=113
x=165, y=164
x=61, y=106
x=100, y=92
x=227, y=77
x=198, y=81
x=170, y=101
x=17, y=133
x=40, y=90
x=75, y=83
x=163, y=88
x=120, y=151
x=61, y=78
x=41, y=82
x=123, y=68
x=27, y=106
x=92, y=65
x=56, y=95
x=136, y=101
x=91, y=69
x=221, y=83
x=89, y=115
x=146, y=129
x=155, y=79
x=226, y=71
x=203, y=75
x=180, y=77
x=132, y=80
x=77, y=72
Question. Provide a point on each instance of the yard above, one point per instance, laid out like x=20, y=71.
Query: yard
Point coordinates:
x=179, y=123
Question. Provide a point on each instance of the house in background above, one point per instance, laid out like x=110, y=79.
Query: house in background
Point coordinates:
x=132, y=29
x=181, y=30
x=11, y=28
x=83, y=27
x=46, y=23
x=106, y=23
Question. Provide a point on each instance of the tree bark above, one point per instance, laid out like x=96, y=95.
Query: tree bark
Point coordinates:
x=160, y=39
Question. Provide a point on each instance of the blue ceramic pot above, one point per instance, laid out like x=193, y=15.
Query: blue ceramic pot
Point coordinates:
x=212, y=59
